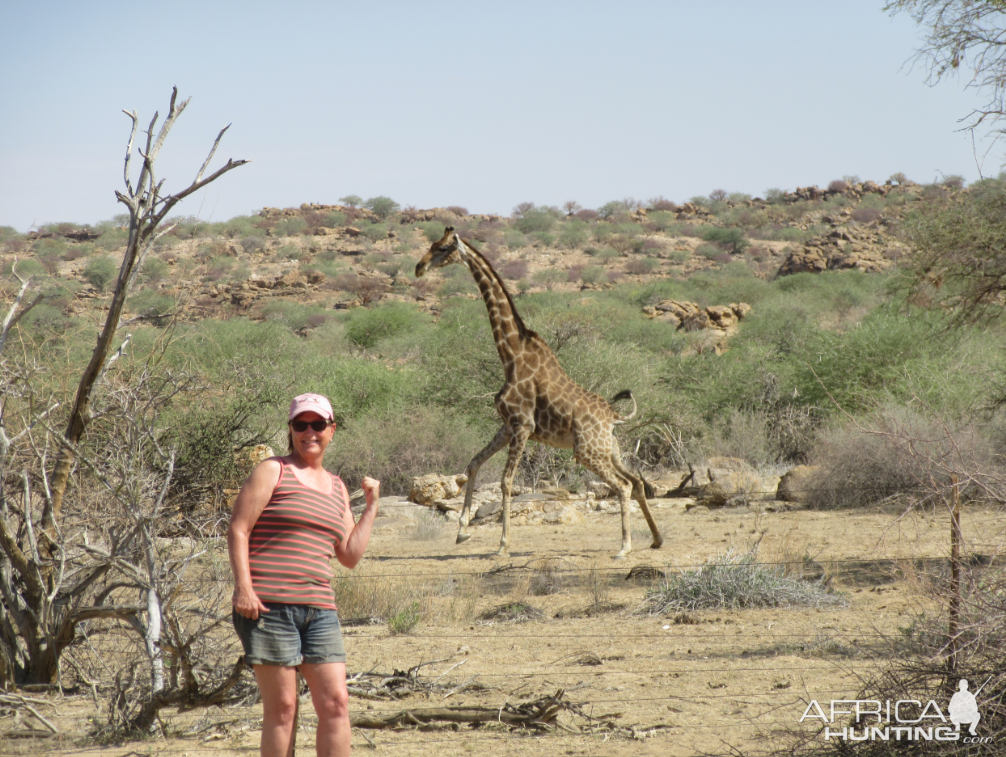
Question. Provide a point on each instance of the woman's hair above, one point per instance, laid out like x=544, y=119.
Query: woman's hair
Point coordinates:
x=289, y=440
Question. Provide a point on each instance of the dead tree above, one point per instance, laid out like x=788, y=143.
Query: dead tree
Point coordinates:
x=147, y=209
x=52, y=580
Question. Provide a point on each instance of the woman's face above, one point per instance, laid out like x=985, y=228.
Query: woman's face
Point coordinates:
x=310, y=442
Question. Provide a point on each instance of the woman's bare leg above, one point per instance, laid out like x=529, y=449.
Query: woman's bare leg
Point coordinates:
x=327, y=682
x=278, y=687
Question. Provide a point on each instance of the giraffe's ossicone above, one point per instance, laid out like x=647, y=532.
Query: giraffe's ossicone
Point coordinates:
x=538, y=401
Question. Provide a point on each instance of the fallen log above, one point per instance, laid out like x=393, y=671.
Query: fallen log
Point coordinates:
x=540, y=714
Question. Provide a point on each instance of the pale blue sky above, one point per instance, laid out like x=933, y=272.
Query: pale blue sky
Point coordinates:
x=480, y=104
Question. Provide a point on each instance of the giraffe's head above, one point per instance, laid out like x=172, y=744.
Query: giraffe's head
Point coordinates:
x=442, y=252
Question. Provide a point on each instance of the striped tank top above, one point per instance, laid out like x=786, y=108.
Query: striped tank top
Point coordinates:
x=293, y=540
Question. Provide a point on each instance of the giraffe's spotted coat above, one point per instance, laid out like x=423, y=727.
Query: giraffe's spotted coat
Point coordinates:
x=538, y=401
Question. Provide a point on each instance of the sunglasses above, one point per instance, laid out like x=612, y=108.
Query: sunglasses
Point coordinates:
x=301, y=426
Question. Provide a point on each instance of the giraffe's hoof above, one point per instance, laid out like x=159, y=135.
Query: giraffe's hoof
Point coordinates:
x=502, y=552
x=657, y=544
x=463, y=538
x=620, y=556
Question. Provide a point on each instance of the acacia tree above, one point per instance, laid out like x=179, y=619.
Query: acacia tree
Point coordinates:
x=958, y=240
x=964, y=35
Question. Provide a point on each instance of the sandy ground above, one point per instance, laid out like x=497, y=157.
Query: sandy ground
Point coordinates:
x=720, y=680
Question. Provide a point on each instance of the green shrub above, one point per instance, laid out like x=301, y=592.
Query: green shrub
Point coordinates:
x=151, y=305
x=574, y=234
x=613, y=209
x=26, y=267
x=45, y=320
x=289, y=227
x=534, y=220
x=382, y=206
x=662, y=220
x=405, y=620
x=368, y=326
x=432, y=230
x=241, y=226
x=544, y=238
x=294, y=315
x=112, y=238
x=731, y=239
x=513, y=238
x=334, y=219
x=603, y=254
x=395, y=445
x=154, y=270
x=100, y=272
x=352, y=201
x=548, y=278
x=592, y=274
x=375, y=232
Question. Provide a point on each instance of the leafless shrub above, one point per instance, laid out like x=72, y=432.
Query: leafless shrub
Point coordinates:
x=587, y=214
x=734, y=580
x=522, y=209
x=838, y=185
x=866, y=215
x=512, y=612
x=515, y=270
x=903, y=452
x=548, y=576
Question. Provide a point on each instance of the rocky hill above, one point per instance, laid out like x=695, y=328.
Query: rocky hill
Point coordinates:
x=336, y=256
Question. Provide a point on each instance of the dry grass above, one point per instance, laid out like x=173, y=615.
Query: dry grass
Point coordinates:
x=394, y=599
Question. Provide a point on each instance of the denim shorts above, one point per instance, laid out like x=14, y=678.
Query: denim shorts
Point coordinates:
x=289, y=635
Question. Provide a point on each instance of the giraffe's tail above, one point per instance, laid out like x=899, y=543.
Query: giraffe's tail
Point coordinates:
x=625, y=394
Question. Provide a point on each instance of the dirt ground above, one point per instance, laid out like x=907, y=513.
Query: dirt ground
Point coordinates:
x=702, y=682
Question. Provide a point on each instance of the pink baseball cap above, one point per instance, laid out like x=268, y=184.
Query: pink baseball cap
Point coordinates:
x=313, y=403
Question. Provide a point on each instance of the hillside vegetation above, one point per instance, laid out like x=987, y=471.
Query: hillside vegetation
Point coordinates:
x=322, y=298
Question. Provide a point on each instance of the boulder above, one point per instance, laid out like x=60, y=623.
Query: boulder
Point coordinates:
x=431, y=487
x=740, y=309
x=728, y=481
x=797, y=483
x=722, y=316
x=533, y=509
x=690, y=317
x=733, y=488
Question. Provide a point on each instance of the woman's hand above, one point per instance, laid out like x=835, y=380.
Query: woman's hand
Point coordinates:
x=247, y=604
x=371, y=490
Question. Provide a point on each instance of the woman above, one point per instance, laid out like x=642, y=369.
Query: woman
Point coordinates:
x=289, y=520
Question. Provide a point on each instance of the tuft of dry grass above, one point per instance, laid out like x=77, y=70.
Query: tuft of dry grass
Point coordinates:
x=735, y=580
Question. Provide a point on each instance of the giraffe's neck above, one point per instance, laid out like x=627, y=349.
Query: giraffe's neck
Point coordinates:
x=506, y=323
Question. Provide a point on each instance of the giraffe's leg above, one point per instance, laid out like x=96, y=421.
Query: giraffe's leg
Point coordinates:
x=518, y=440
x=638, y=493
x=499, y=442
x=599, y=463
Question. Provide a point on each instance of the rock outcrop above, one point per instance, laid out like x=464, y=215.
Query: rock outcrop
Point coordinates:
x=426, y=490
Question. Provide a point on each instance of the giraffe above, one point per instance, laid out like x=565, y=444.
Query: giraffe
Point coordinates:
x=538, y=401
